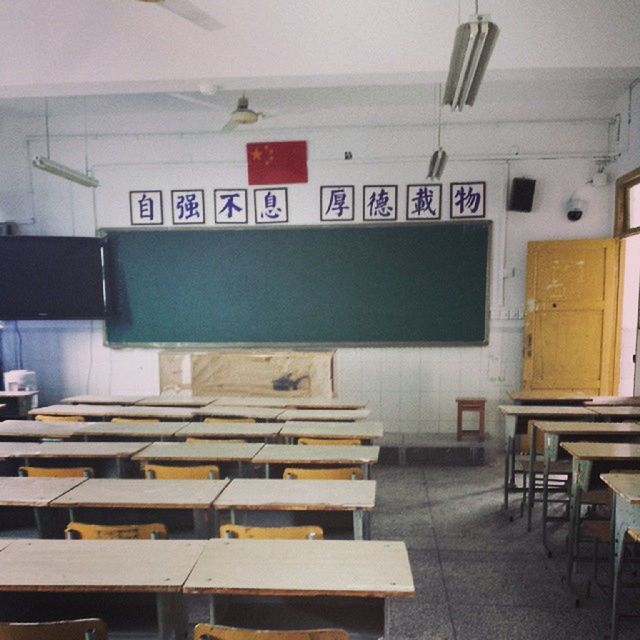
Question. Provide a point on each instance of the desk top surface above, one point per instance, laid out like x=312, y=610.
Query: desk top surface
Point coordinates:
x=97, y=565
x=128, y=429
x=150, y=494
x=617, y=410
x=356, y=429
x=311, y=454
x=303, y=567
x=17, y=394
x=37, y=429
x=232, y=411
x=202, y=451
x=288, y=402
x=534, y=411
x=298, y=495
x=588, y=428
x=230, y=430
x=115, y=411
x=331, y=415
x=626, y=485
x=95, y=399
x=528, y=395
x=176, y=401
x=602, y=450
x=613, y=401
x=70, y=449
x=34, y=492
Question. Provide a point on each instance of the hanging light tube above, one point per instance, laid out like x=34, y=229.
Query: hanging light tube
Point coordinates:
x=57, y=169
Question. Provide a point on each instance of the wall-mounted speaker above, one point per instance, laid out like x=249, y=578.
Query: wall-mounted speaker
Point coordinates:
x=521, y=196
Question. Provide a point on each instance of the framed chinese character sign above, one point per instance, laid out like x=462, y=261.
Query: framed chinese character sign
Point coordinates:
x=424, y=201
x=145, y=207
x=467, y=199
x=188, y=206
x=230, y=206
x=336, y=203
x=380, y=202
x=271, y=205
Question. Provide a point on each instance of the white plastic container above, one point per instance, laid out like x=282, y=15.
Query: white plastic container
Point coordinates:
x=20, y=380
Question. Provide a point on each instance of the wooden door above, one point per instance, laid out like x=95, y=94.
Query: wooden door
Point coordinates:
x=570, y=316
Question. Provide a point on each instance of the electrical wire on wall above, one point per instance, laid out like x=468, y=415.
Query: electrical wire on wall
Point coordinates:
x=18, y=347
x=89, y=370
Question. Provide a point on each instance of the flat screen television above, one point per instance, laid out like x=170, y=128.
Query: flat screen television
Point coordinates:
x=51, y=277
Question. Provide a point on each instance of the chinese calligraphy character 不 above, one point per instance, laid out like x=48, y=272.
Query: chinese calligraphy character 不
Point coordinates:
x=230, y=206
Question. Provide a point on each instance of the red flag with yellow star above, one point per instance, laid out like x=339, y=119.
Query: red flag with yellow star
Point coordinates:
x=277, y=162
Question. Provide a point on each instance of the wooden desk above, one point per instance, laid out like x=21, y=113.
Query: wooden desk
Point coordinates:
x=120, y=451
x=288, y=403
x=154, y=430
x=197, y=495
x=302, y=495
x=549, y=396
x=360, y=429
x=317, y=454
x=94, y=399
x=630, y=401
x=361, y=569
x=325, y=415
x=176, y=401
x=126, y=566
x=261, y=430
x=584, y=454
x=553, y=433
x=617, y=411
x=515, y=421
x=32, y=430
x=253, y=413
x=108, y=411
x=625, y=511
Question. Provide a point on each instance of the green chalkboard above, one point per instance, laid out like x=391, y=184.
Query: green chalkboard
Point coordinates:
x=358, y=284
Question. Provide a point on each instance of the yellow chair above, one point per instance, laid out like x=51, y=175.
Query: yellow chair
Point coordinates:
x=217, y=440
x=271, y=533
x=240, y=420
x=337, y=473
x=135, y=420
x=216, y=632
x=56, y=472
x=168, y=472
x=44, y=418
x=82, y=531
x=82, y=629
x=345, y=442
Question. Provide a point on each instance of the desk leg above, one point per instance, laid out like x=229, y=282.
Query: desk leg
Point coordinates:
x=550, y=453
x=509, y=456
x=367, y=525
x=202, y=524
x=531, y=494
x=121, y=468
x=37, y=514
x=387, y=619
x=358, y=524
x=212, y=609
x=579, y=483
x=171, y=617
x=232, y=516
x=266, y=470
x=366, y=471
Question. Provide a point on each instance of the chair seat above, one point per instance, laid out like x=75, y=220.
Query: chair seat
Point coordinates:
x=598, y=529
x=558, y=466
x=596, y=496
x=634, y=534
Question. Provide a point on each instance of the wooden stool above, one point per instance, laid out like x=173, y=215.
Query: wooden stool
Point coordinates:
x=472, y=405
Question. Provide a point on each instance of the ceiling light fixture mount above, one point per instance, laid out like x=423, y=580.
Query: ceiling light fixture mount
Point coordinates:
x=439, y=156
x=472, y=48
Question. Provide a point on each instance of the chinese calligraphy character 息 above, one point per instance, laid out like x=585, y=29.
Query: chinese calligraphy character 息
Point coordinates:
x=271, y=205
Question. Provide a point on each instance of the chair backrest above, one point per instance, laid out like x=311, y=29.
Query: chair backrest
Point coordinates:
x=82, y=531
x=56, y=472
x=168, y=472
x=82, y=629
x=218, y=440
x=239, y=420
x=271, y=533
x=525, y=439
x=44, y=418
x=217, y=632
x=135, y=420
x=323, y=473
x=344, y=442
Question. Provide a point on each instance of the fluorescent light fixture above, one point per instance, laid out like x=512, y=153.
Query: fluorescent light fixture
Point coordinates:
x=437, y=164
x=40, y=162
x=472, y=49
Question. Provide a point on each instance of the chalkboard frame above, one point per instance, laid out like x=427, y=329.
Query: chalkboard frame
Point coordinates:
x=302, y=345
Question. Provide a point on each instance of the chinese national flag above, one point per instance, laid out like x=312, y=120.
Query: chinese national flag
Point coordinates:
x=277, y=162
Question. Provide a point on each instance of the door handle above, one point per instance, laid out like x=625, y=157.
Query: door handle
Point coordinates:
x=529, y=348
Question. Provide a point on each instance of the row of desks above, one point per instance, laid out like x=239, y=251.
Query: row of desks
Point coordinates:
x=170, y=568
x=29, y=429
x=213, y=410
x=201, y=496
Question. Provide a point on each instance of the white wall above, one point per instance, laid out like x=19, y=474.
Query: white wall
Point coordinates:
x=411, y=389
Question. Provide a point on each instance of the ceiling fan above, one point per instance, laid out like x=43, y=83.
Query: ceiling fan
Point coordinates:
x=189, y=11
x=241, y=115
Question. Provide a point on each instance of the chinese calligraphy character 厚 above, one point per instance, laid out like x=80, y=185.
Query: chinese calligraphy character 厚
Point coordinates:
x=336, y=203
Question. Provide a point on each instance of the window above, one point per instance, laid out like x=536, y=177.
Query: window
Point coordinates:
x=628, y=204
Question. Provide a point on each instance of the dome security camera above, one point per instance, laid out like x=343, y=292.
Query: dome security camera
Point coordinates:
x=574, y=209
